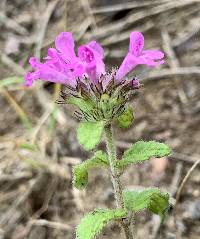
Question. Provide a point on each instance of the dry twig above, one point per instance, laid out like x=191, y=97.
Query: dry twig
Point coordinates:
x=173, y=63
x=125, y=6
x=185, y=179
x=55, y=225
x=163, y=73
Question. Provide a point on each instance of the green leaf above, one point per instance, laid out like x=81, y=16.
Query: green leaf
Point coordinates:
x=80, y=172
x=92, y=224
x=82, y=104
x=142, y=151
x=125, y=120
x=152, y=199
x=89, y=134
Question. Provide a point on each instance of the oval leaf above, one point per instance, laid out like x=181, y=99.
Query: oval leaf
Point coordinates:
x=152, y=199
x=142, y=151
x=92, y=224
x=125, y=120
x=80, y=172
x=89, y=134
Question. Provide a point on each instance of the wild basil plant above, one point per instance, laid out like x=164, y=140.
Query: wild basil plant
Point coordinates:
x=103, y=99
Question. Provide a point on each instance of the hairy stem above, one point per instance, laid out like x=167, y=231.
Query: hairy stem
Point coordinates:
x=115, y=177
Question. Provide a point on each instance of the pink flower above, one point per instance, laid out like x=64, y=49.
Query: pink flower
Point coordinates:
x=138, y=56
x=92, y=57
x=63, y=66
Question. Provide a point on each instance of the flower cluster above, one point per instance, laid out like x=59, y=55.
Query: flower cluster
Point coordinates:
x=62, y=65
x=98, y=94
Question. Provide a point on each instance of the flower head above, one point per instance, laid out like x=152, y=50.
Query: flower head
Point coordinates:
x=98, y=94
x=137, y=56
x=63, y=66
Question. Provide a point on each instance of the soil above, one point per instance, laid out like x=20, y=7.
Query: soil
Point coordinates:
x=38, y=145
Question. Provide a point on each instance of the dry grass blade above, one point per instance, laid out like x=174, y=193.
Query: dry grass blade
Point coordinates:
x=16, y=177
x=18, y=109
x=180, y=189
x=88, y=11
x=11, y=81
x=18, y=201
x=124, y=6
x=55, y=225
x=174, y=64
x=12, y=65
x=52, y=167
x=192, y=30
x=109, y=29
x=163, y=73
x=119, y=37
x=39, y=125
x=43, y=27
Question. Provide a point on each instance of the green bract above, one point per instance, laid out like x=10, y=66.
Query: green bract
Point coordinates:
x=92, y=224
x=142, y=151
x=152, y=199
x=80, y=172
x=104, y=101
x=89, y=134
x=83, y=105
x=125, y=120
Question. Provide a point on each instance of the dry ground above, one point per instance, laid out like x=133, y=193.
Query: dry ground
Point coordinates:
x=38, y=145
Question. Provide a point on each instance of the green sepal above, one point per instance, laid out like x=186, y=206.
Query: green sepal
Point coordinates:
x=80, y=171
x=92, y=224
x=125, y=120
x=89, y=134
x=142, y=151
x=82, y=104
x=152, y=199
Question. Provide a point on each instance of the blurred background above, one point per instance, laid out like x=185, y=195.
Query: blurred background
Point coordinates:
x=38, y=145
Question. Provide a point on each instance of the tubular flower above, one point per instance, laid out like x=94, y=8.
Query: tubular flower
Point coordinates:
x=137, y=56
x=63, y=66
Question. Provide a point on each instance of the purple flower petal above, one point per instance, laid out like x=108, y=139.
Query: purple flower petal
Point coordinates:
x=63, y=66
x=100, y=67
x=92, y=60
x=92, y=72
x=137, y=56
x=49, y=71
x=30, y=77
x=97, y=47
x=128, y=64
x=98, y=53
x=65, y=44
x=34, y=62
x=136, y=43
x=150, y=62
x=86, y=54
x=153, y=54
x=106, y=80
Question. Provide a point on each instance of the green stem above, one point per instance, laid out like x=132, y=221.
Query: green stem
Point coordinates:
x=115, y=177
